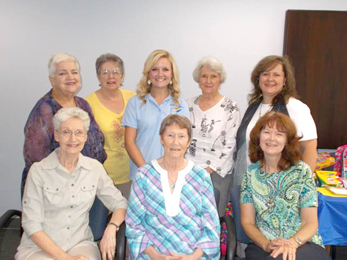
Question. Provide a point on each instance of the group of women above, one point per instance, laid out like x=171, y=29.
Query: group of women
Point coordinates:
x=179, y=152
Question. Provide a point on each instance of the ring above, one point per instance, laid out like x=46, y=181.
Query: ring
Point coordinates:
x=290, y=252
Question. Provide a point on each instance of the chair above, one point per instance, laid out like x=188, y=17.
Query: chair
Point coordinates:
x=98, y=219
x=229, y=222
x=239, y=234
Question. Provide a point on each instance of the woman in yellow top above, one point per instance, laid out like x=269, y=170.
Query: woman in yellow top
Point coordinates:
x=108, y=105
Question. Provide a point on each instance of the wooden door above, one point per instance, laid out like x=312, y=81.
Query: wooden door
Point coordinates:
x=316, y=42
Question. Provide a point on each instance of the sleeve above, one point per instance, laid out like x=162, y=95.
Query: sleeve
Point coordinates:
x=130, y=114
x=308, y=195
x=185, y=109
x=38, y=136
x=301, y=115
x=136, y=232
x=90, y=99
x=210, y=233
x=110, y=196
x=246, y=190
x=130, y=94
x=32, y=203
x=223, y=161
x=94, y=147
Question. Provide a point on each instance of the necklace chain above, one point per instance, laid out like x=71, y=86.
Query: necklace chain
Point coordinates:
x=171, y=182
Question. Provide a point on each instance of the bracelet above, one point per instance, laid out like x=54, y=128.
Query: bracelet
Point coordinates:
x=114, y=224
x=298, y=240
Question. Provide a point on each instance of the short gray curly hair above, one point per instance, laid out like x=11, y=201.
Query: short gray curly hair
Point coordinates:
x=59, y=57
x=66, y=113
x=213, y=64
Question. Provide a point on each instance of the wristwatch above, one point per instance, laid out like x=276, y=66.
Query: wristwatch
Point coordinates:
x=114, y=224
x=298, y=240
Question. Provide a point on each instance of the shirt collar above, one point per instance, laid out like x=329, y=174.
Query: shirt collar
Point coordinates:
x=52, y=161
x=149, y=97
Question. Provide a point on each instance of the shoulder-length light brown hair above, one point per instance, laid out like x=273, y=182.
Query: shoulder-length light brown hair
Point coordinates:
x=266, y=64
x=143, y=88
x=292, y=151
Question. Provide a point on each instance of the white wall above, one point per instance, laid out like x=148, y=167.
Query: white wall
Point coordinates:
x=238, y=33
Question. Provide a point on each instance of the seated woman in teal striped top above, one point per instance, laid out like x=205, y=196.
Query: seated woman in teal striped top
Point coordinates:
x=172, y=212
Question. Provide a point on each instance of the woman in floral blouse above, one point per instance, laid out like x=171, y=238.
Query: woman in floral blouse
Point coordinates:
x=65, y=78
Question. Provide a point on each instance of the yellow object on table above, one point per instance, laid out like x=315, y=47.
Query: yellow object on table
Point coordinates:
x=328, y=192
x=328, y=178
x=324, y=160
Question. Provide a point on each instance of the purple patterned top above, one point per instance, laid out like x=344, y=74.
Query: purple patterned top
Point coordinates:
x=38, y=131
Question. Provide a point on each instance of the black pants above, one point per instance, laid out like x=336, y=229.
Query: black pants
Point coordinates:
x=306, y=252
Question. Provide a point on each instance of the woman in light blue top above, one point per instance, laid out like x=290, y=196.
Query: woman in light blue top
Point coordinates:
x=157, y=96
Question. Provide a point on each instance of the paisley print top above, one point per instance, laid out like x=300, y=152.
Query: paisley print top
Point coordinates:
x=278, y=197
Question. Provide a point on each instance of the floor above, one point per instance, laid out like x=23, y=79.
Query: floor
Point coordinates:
x=9, y=240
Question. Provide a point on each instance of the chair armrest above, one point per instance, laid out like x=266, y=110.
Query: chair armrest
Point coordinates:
x=120, y=243
x=231, y=231
x=5, y=218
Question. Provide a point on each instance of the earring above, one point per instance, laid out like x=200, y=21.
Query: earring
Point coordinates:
x=170, y=82
x=149, y=82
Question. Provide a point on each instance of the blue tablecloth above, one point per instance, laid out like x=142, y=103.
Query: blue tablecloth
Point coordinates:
x=332, y=217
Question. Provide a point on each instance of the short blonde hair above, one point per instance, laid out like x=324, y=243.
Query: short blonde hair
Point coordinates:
x=143, y=88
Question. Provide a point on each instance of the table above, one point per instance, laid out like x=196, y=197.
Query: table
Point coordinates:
x=332, y=217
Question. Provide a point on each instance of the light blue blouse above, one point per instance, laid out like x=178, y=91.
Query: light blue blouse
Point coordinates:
x=147, y=118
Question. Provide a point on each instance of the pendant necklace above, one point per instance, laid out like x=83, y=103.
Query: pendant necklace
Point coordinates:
x=172, y=184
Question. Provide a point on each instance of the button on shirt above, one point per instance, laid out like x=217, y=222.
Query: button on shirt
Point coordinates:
x=58, y=202
x=146, y=118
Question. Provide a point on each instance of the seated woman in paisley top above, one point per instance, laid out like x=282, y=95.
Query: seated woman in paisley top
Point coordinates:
x=278, y=197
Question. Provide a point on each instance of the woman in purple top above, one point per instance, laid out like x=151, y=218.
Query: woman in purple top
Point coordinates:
x=64, y=75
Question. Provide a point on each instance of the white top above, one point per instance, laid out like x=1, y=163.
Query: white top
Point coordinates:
x=300, y=114
x=214, y=135
x=172, y=200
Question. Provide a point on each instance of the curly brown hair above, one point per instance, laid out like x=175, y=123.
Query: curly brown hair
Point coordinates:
x=266, y=64
x=292, y=151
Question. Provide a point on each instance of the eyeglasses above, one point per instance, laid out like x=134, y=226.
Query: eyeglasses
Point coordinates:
x=66, y=133
x=116, y=73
